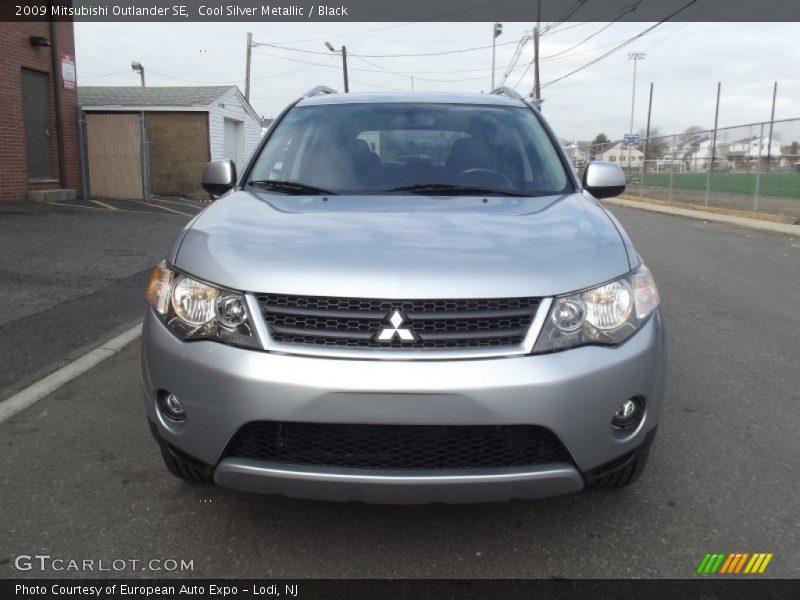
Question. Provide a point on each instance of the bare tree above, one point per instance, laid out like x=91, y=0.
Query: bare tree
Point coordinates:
x=656, y=146
x=600, y=144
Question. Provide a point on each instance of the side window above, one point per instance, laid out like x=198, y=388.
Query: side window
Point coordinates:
x=373, y=140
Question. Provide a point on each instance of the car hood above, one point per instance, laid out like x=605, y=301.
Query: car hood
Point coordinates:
x=403, y=246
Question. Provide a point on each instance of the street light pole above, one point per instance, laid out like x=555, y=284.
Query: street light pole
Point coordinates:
x=635, y=57
x=497, y=30
x=137, y=66
x=247, y=67
x=343, y=52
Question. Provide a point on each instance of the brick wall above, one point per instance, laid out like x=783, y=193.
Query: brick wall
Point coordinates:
x=16, y=53
x=179, y=151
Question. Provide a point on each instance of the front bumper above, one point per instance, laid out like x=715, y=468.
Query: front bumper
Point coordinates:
x=573, y=393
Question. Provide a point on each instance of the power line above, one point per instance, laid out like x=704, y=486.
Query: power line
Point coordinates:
x=376, y=85
x=556, y=29
x=413, y=73
x=312, y=64
x=584, y=40
x=571, y=11
x=515, y=58
x=228, y=82
x=106, y=75
x=291, y=71
x=622, y=45
x=406, y=74
x=439, y=53
x=396, y=25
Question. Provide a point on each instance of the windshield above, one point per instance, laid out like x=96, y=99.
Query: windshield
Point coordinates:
x=438, y=149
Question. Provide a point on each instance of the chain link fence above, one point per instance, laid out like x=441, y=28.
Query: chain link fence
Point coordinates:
x=753, y=167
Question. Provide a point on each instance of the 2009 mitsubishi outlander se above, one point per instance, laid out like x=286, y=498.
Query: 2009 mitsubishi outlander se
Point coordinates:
x=405, y=298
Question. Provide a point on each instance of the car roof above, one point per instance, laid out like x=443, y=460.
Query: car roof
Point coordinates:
x=405, y=97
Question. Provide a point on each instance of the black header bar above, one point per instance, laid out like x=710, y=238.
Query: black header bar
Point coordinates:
x=260, y=11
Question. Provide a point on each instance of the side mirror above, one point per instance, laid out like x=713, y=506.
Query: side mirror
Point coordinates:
x=603, y=179
x=219, y=176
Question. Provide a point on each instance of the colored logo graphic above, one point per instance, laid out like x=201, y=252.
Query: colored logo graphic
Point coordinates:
x=733, y=564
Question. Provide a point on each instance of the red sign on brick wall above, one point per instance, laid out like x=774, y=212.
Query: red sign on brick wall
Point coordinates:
x=68, y=71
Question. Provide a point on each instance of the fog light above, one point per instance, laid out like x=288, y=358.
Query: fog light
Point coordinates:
x=231, y=311
x=628, y=414
x=171, y=407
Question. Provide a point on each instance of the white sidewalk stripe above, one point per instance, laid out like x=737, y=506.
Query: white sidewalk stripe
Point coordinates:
x=35, y=392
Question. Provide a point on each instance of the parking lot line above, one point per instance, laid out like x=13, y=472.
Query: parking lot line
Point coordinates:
x=69, y=205
x=180, y=212
x=103, y=204
x=127, y=210
x=35, y=392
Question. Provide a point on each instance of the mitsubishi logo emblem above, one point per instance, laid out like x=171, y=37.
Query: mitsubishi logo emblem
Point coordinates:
x=387, y=334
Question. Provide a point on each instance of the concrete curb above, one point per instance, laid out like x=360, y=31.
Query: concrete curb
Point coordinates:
x=771, y=226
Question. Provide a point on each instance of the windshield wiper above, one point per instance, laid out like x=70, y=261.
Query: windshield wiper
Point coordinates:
x=292, y=187
x=449, y=189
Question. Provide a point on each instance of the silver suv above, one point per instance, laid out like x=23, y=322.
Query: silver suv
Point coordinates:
x=405, y=298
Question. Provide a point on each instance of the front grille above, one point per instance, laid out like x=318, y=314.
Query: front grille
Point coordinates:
x=435, y=324
x=397, y=446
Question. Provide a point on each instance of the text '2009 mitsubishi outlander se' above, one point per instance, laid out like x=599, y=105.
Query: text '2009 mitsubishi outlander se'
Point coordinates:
x=405, y=298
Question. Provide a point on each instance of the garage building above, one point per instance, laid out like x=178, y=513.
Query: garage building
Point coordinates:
x=142, y=141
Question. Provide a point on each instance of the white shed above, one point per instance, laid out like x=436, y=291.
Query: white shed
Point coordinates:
x=234, y=128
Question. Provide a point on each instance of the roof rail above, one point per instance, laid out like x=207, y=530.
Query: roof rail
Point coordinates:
x=515, y=95
x=318, y=90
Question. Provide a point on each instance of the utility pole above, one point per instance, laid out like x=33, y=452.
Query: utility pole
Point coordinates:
x=343, y=52
x=497, y=30
x=635, y=57
x=716, y=122
x=247, y=68
x=412, y=83
x=771, y=123
x=536, y=89
x=647, y=132
x=713, y=145
x=344, y=68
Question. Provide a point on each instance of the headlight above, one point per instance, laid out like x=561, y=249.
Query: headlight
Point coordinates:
x=608, y=314
x=196, y=310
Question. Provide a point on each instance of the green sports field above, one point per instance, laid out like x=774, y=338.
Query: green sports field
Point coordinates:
x=782, y=185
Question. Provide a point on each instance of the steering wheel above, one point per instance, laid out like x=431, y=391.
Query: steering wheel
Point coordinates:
x=484, y=176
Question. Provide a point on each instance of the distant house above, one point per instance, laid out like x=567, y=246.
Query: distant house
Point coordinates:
x=156, y=140
x=265, y=125
x=578, y=156
x=790, y=156
x=618, y=153
x=747, y=153
x=699, y=157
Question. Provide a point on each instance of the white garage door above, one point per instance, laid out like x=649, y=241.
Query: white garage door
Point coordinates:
x=234, y=142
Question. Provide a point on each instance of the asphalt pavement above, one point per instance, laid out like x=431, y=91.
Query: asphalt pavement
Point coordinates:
x=81, y=477
x=73, y=275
